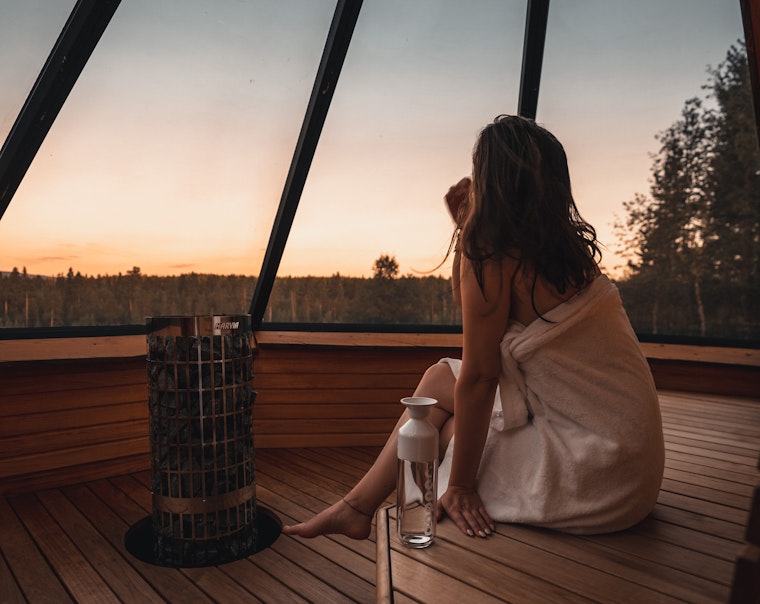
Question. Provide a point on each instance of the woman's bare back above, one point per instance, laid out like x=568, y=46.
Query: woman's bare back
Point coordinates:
x=526, y=299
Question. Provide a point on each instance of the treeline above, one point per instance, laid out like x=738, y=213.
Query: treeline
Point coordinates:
x=126, y=299
x=694, y=240
x=692, y=244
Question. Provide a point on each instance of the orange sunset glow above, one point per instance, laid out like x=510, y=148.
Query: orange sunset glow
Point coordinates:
x=172, y=151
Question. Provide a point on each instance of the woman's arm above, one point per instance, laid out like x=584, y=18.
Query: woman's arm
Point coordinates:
x=484, y=321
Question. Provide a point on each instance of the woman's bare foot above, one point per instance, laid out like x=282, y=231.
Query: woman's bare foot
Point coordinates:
x=339, y=519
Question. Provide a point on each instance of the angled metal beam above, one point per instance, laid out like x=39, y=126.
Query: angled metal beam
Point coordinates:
x=81, y=33
x=336, y=47
x=533, y=57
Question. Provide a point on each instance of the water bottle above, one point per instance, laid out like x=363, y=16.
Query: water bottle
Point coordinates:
x=417, y=484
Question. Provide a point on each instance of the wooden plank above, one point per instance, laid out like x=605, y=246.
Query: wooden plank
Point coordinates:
x=384, y=580
x=70, y=348
x=339, y=480
x=326, y=439
x=672, y=496
x=36, y=423
x=359, y=458
x=26, y=378
x=299, y=580
x=58, y=440
x=399, y=361
x=31, y=571
x=343, y=580
x=475, y=576
x=711, y=467
x=40, y=402
x=727, y=441
x=37, y=462
x=331, y=548
x=338, y=381
x=696, y=491
x=719, y=547
x=113, y=567
x=420, y=582
x=738, y=449
x=317, y=426
x=669, y=509
x=325, y=411
x=52, y=478
x=702, y=354
x=219, y=586
x=133, y=502
x=259, y=582
x=134, y=346
x=10, y=592
x=311, y=494
x=343, y=396
x=631, y=559
x=355, y=339
x=570, y=572
x=739, y=462
x=735, y=380
x=334, y=549
x=743, y=431
x=170, y=583
x=692, y=474
x=81, y=580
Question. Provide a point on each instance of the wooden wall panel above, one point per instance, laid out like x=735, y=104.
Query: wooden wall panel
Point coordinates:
x=68, y=421
x=327, y=395
x=62, y=420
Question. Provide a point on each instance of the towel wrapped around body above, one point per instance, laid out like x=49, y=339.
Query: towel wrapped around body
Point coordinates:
x=575, y=441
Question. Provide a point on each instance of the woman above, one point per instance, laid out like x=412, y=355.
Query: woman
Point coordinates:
x=551, y=417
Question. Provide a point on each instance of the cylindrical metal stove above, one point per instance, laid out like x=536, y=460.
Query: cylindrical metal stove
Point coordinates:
x=200, y=372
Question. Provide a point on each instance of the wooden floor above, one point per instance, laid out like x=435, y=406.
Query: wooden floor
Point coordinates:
x=67, y=544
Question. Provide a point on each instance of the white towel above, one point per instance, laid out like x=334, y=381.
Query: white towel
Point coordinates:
x=576, y=436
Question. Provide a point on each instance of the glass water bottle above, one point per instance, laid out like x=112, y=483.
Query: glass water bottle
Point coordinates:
x=417, y=484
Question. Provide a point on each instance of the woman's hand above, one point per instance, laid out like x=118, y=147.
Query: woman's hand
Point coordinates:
x=456, y=199
x=465, y=508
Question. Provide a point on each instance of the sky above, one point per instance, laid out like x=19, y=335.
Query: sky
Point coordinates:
x=173, y=148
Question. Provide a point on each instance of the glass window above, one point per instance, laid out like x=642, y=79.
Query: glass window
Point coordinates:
x=167, y=160
x=617, y=76
x=28, y=30
x=156, y=189
x=419, y=81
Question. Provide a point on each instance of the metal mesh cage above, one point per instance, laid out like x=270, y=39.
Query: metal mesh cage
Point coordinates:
x=201, y=402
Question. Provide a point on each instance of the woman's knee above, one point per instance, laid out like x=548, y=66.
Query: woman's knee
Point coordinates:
x=438, y=382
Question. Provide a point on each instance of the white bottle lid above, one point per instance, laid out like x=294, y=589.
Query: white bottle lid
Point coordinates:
x=418, y=438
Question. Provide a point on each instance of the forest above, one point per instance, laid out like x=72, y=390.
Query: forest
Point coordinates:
x=692, y=244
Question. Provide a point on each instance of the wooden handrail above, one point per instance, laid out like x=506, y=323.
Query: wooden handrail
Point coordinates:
x=132, y=346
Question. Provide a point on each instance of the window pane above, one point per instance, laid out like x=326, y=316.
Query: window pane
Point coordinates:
x=419, y=81
x=616, y=74
x=28, y=31
x=168, y=158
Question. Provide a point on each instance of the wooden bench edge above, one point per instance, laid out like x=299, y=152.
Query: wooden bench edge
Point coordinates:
x=383, y=558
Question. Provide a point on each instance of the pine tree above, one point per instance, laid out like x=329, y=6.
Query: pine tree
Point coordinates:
x=693, y=243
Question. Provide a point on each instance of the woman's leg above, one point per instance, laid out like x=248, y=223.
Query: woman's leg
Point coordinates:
x=352, y=515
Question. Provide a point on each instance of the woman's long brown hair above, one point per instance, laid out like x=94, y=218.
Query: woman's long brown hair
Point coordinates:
x=522, y=206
